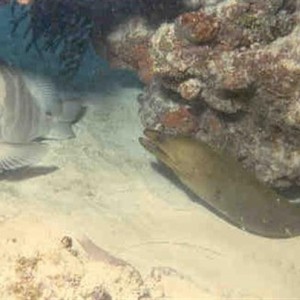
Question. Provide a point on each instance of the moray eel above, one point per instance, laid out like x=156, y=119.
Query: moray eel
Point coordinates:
x=221, y=182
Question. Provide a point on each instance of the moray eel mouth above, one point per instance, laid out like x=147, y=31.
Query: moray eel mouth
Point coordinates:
x=153, y=142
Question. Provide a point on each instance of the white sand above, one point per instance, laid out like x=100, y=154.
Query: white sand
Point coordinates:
x=105, y=188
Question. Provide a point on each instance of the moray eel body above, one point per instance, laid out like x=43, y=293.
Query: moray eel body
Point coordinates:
x=222, y=182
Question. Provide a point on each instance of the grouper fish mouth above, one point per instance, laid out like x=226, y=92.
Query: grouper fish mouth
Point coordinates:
x=224, y=185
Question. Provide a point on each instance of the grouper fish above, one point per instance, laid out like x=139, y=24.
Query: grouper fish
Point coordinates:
x=30, y=111
x=225, y=186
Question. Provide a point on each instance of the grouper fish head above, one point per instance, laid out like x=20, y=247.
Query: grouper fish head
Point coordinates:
x=61, y=113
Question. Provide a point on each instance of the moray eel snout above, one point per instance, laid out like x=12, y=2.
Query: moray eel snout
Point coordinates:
x=153, y=142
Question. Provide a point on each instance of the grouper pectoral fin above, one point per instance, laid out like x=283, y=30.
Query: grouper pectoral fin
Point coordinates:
x=15, y=156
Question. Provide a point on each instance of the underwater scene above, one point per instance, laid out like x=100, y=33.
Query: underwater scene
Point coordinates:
x=149, y=149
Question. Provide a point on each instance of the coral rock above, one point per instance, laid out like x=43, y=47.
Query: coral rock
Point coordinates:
x=181, y=120
x=190, y=89
x=246, y=78
x=228, y=74
x=197, y=27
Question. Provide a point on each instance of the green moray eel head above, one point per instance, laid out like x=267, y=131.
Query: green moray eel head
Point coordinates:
x=165, y=148
x=154, y=143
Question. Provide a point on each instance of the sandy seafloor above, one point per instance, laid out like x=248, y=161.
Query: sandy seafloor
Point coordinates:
x=101, y=186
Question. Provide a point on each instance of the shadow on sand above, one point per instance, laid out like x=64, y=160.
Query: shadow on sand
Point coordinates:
x=27, y=173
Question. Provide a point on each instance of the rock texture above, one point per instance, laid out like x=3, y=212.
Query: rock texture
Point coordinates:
x=227, y=73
